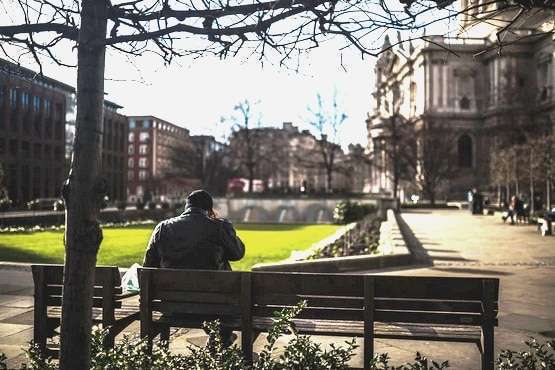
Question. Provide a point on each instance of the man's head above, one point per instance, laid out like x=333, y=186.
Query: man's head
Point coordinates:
x=200, y=199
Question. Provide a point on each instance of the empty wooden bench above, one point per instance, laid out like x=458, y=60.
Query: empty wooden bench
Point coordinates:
x=108, y=308
x=396, y=307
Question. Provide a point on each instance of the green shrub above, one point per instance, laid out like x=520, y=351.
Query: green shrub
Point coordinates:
x=346, y=212
x=538, y=356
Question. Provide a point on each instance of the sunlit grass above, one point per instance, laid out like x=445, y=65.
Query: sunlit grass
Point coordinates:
x=125, y=246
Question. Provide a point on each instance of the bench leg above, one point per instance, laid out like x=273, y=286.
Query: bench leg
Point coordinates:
x=165, y=336
x=109, y=340
x=487, y=348
x=247, y=344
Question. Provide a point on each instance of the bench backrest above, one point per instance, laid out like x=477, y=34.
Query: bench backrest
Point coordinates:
x=198, y=292
x=48, y=281
x=445, y=300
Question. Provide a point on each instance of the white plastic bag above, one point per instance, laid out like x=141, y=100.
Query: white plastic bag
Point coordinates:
x=130, y=280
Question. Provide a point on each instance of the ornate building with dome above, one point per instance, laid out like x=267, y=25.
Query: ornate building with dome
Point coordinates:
x=478, y=96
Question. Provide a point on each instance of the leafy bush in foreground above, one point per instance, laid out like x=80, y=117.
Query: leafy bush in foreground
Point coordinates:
x=537, y=356
x=300, y=353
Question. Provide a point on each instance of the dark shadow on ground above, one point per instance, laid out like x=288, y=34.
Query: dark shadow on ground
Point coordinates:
x=409, y=210
x=9, y=253
x=471, y=271
x=419, y=254
x=451, y=258
x=439, y=250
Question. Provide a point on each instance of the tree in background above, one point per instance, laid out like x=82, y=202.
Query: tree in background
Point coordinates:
x=435, y=160
x=326, y=124
x=278, y=28
x=245, y=142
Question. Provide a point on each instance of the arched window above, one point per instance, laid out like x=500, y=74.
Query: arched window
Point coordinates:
x=464, y=103
x=464, y=145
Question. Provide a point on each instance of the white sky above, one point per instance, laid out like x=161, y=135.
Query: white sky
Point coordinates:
x=196, y=93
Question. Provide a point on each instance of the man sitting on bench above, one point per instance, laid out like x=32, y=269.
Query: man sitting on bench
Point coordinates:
x=196, y=239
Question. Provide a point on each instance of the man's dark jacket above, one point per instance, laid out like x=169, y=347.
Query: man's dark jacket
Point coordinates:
x=194, y=241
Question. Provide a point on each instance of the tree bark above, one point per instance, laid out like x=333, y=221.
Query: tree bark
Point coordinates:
x=83, y=191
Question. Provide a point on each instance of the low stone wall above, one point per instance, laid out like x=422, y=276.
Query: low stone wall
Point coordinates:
x=392, y=251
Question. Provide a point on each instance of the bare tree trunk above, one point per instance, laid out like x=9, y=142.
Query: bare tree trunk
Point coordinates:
x=329, y=178
x=251, y=178
x=84, y=191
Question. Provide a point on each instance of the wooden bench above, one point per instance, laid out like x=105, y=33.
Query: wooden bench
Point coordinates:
x=187, y=298
x=445, y=309
x=108, y=307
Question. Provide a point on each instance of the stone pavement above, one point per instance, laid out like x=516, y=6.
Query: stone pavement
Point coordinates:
x=459, y=244
x=452, y=243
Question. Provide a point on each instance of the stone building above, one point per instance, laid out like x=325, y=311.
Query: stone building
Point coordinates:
x=32, y=133
x=159, y=162
x=483, y=98
x=288, y=160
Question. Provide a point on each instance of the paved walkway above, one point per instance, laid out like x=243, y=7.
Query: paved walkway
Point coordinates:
x=457, y=244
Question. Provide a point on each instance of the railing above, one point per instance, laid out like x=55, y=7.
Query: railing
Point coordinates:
x=454, y=41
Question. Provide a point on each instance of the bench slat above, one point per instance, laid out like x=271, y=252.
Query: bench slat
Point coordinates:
x=195, y=280
x=439, y=288
x=202, y=297
x=56, y=289
x=415, y=287
x=381, y=330
x=264, y=283
x=195, y=308
x=124, y=312
x=381, y=303
x=103, y=274
x=97, y=301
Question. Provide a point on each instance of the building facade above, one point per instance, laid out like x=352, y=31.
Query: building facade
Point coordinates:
x=159, y=159
x=290, y=160
x=480, y=99
x=114, y=151
x=32, y=133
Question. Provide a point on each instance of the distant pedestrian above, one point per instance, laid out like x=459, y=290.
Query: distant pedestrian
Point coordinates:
x=512, y=211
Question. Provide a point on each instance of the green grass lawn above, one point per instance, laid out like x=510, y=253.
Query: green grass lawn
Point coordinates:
x=124, y=246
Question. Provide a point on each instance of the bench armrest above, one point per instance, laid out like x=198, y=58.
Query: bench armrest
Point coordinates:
x=126, y=295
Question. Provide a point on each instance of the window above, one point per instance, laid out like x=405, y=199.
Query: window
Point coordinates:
x=146, y=124
x=464, y=146
x=36, y=103
x=26, y=149
x=143, y=162
x=143, y=175
x=13, y=98
x=144, y=136
x=132, y=123
x=131, y=137
x=143, y=149
x=464, y=103
x=131, y=149
x=131, y=175
x=47, y=152
x=47, y=107
x=130, y=163
x=25, y=98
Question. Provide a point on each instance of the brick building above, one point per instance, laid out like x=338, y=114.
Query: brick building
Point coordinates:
x=32, y=132
x=114, y=151
x=159, y=159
